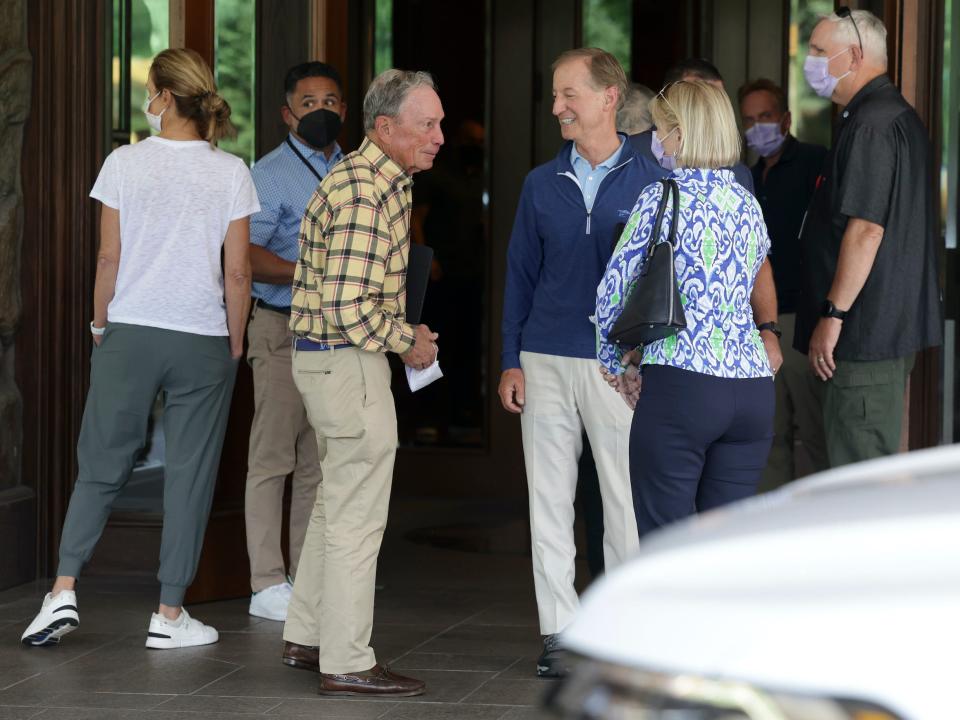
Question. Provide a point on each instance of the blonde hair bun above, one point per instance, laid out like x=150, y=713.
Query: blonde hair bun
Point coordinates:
x=189, y=79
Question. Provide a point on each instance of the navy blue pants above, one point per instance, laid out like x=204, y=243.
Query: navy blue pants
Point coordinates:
x=697, y=442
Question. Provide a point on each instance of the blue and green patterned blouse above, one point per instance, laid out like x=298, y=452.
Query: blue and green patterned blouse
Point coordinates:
x=721, y=244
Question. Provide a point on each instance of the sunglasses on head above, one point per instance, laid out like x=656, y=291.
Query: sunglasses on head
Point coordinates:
x=844, y=12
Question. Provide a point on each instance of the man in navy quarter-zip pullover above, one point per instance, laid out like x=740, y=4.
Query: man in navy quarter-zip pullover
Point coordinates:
x=562, y=238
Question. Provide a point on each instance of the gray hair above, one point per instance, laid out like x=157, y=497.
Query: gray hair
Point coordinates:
x=388, y=91
x=873, y=34
x=634, y=116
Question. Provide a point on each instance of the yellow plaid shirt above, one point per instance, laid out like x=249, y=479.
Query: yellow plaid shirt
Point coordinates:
x=350, y=281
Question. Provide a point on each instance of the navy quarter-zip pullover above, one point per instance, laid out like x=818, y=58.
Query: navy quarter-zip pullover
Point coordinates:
x=558, y=253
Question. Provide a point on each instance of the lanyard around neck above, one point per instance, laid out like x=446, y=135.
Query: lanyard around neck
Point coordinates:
x=310, y=167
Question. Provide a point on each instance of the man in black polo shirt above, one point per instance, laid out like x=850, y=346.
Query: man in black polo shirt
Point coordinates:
x=784, y=179
x=870, y=297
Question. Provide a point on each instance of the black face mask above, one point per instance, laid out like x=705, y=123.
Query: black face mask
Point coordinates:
x=318, y=128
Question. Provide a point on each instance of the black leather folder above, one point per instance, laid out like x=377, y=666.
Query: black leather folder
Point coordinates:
x=418, y=275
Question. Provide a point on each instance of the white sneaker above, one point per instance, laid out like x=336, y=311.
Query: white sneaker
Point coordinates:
x=271, y=603
x=58, y=615
x=180, y=633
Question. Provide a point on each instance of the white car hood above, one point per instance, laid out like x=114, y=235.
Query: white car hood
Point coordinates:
x=847, y=584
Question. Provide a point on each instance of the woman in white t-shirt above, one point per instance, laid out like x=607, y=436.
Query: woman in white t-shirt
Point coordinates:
x=167, y=317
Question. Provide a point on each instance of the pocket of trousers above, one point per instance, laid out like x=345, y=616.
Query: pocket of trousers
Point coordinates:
x=859, y=397
x=333, y=390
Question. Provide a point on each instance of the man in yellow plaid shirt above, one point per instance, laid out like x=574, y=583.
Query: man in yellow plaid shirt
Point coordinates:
x=348, y=311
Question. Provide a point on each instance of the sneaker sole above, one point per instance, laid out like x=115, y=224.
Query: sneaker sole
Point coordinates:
x=51, y=634
x=169, y=644
x=267, y=616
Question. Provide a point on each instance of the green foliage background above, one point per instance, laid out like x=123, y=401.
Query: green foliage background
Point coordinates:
x=235, y=53
x=608, y=25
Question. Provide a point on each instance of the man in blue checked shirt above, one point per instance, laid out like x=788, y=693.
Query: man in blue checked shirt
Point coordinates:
x=281, y=439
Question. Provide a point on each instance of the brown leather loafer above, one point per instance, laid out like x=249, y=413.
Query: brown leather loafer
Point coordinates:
x=305, y=657
x=378, y=680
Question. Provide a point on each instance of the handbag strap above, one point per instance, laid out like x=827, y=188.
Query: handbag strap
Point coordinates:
x=669, y=188
x=675, y=220
x=661, y=208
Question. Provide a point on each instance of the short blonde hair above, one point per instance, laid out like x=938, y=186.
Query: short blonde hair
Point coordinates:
x=705, y=117
x=605, y=70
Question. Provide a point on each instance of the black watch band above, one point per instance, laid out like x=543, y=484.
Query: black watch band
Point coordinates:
x=772, y=327
x=829, y=310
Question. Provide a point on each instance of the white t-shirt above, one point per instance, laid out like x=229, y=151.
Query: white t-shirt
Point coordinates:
x=176, y=199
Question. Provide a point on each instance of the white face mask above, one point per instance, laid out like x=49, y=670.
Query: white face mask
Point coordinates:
x=152, y=120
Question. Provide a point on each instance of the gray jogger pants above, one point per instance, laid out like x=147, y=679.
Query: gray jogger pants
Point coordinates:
x=196, y=374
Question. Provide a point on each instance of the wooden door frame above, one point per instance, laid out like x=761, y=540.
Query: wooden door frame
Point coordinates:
x=916, y=66
x=62, y=152
x=921, y=72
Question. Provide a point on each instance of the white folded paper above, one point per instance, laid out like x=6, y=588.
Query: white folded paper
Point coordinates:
x=417, y=379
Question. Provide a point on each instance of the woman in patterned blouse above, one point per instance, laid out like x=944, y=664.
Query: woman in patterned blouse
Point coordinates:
x=703, y=424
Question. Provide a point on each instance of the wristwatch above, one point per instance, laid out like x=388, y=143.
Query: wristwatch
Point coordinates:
x=772, y=327
x=830, y=310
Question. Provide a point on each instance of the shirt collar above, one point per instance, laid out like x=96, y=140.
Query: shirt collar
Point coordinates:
x=879, y=82
x=790, y=147
x=308, y=151
x=387, y=167
x=608, y=163
x=336, y=156
x=721, y=175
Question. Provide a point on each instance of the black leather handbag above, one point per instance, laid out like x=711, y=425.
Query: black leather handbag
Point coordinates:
x=653, y=309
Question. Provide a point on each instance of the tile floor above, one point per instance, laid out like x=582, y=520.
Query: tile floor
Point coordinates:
x=463, y=621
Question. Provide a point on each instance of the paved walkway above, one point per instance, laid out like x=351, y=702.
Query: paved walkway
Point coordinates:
x=463, y=621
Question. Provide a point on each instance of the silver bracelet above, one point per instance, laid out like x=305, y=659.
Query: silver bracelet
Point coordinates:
x=95, y=330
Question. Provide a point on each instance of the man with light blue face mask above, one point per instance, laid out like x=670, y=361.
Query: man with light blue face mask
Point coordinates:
x=870, y=295
x=784, y=178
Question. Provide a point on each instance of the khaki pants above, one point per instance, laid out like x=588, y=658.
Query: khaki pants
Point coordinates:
x=349, y=404
x=564, y=397
x=281, y=442
x=863, y=409
x=798, y=416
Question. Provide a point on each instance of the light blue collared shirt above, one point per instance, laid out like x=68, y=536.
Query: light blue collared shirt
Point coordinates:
x=284, y=185
x=589, y=177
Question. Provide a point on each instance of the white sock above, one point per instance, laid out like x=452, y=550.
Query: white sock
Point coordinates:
x=174, y=623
